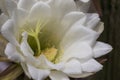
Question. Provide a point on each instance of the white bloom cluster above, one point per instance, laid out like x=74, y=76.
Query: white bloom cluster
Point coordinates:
x=52, y=38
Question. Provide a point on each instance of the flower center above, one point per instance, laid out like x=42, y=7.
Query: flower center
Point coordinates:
x=34, y=40
x=50, y=53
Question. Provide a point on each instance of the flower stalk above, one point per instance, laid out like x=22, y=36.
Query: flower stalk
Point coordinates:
x=3, y=59
x=11, y=73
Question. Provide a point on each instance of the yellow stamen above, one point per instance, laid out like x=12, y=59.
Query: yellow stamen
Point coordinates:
x=58, y=56
x=50, y=53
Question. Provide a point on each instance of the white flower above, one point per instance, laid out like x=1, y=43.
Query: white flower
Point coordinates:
x=53, y=38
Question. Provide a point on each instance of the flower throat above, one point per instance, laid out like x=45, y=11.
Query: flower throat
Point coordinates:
x=38, y=45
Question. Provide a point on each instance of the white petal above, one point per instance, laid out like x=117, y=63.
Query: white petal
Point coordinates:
x=40, y=11
x=3, y=19
x=10, y=6
x=68, y=20
x=84, y=0
x=101, y=49
x=38, y=74
x=99, y=28
x=19, y=17
x=27, y=51
x=79, y=33
x=57, y=75
x=92, y=20
x=83, y=5
x=91, y=66
x=72, y=67
x=71, y=18
x=13, y=54
x=62, y=7
x=25, y=46
x=7, y=31
x=26, y=4
x=78, y=50
x=83, y=75
x=47, y=64
x=24, y=66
